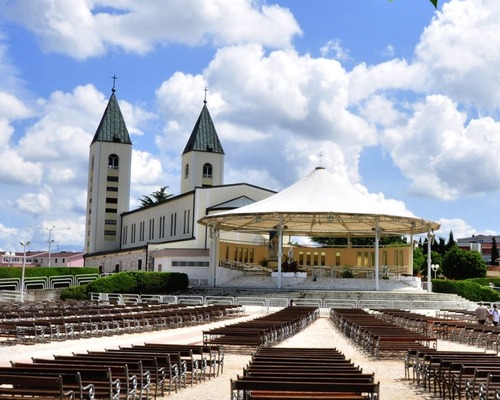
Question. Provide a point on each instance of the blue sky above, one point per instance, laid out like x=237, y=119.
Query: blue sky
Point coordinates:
x=399, y=98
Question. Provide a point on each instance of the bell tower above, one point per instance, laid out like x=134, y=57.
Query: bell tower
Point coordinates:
x=108, y=180
x=203, y=156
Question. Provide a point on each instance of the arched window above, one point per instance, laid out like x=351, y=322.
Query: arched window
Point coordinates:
x=207, y=170
x=113, y=161
x=186, y=171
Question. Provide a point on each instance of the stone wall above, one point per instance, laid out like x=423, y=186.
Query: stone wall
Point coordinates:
x=117, y=262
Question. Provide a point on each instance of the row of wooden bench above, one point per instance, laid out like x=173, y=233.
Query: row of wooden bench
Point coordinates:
x=282, y=373
x=107, y=322
x=376, y=336
x=263, y=331
x=455, y=375
x=134, y=372
x=459, y=330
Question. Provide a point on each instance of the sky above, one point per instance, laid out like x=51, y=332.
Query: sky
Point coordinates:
x=399, y=98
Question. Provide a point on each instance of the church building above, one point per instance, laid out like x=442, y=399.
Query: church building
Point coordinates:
x=163, y=236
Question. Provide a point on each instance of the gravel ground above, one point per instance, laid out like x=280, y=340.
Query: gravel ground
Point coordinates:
x=390, y=373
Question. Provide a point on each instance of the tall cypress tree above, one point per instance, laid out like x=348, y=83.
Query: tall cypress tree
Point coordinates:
x=451, y=242
x=494, y=252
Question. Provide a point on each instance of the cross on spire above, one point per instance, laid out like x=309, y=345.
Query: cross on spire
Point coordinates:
x=206, y=90
x=114, y=77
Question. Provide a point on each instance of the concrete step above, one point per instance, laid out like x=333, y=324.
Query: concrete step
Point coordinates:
x=334, y=291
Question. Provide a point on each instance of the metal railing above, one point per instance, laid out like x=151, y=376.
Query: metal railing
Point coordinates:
x=47, y=282
x=270, y=303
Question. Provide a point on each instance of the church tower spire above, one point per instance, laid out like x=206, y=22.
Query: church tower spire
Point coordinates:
x=203, y=156
x=108, y=180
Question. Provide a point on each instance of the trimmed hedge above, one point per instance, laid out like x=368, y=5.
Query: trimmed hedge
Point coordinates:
x=469, y=288
x=133, y=282
x=16, y=272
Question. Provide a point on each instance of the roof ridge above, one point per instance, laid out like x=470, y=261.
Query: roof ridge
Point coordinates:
x=204, y=135
x=112, y=127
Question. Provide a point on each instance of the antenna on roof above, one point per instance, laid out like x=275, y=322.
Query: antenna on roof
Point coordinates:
x=320, y=157
x=114, y=77
x=206, y=90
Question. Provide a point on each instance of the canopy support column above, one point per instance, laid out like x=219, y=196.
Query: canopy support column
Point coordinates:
x=377, y=240
x=430, y=240
x=280, y=249
x=214, y=256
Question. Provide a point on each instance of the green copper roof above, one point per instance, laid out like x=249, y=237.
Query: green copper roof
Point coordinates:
x=112, y=127
x=234, y=203
x=204, y=136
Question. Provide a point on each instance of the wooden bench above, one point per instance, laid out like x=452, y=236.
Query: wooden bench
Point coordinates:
x=194, y=366
x=213, y=355
x=72, y=380
x=120, y=379
x=490, y=389
x=34, y=386
x=147, y=371
x=85, y=383
x=164, y=367
x=297, y=390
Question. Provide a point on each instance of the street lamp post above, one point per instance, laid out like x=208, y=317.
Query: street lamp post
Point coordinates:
x=24, y=244
x=9, y=257
x=50, y=240
x=435, y=268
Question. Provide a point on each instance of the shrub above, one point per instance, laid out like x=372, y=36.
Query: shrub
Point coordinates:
x=347, y=273
x=177, y=281
x=139, y=282
x=120, y=282
x=463, y=264
x=467, y=288
x=16, y=272
x=75, y=293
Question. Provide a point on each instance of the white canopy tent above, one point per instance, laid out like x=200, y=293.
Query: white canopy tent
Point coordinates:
x=321, y=204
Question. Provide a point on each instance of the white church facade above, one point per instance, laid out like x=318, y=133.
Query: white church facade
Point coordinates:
x=165, y=236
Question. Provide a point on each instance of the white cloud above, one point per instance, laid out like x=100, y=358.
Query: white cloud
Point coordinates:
x=83, y=29
x=35, y=203
x=389, y=51
x=12, y=107
x=334, y=47
x=444, y=155
x=459, y=227
x=378, y=109
x=146, y=169
x=15, y=169
x=459, y=50
x=396, y=74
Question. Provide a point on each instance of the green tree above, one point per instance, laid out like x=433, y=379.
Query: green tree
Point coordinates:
x=419, y=260
x=155, y=198
x=420, y=266
x=451, y=242
x=494, y=251
x=358, y=241
x=441, y=246
x=463, y=264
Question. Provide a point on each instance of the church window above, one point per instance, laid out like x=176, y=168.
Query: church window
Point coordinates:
x=113, y=161
x=151, y=229
x=207, y=170
x=142, y=225
x=186, y=171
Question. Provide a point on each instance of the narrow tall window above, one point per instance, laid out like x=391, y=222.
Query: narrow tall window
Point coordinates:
x=186, y=171
x=113, y=161
x=207, y=170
